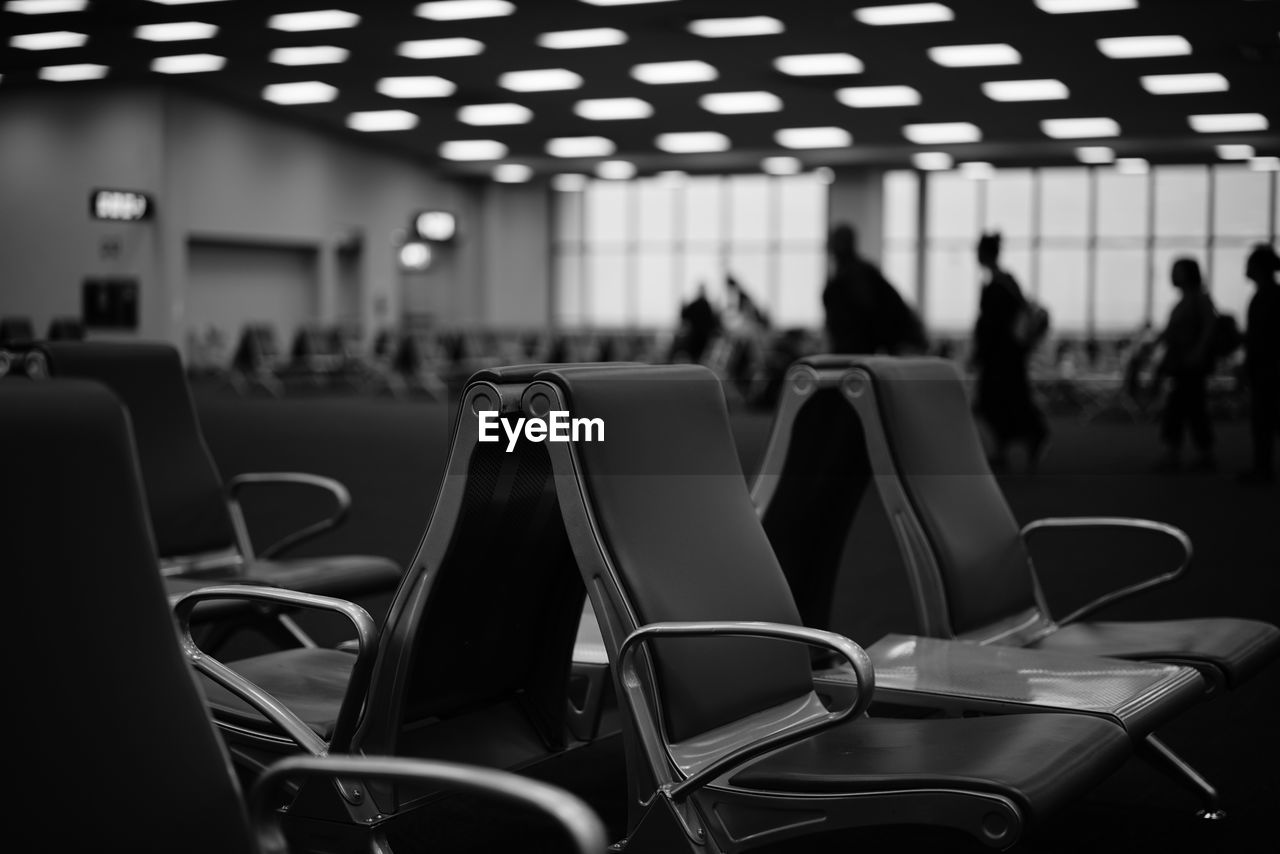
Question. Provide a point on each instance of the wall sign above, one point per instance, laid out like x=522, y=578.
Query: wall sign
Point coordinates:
x=120, y=205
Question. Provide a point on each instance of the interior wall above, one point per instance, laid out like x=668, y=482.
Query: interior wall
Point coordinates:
x=230, y=285
x=516, y=272
x=856, y=196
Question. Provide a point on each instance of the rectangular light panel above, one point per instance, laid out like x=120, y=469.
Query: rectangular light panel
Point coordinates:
x=942, y=133
x=302, y=92
x=663, y=73
x=372, y=121
x=427, y=86
x=1228, y=122
x=613, y=109
x=484, y=115
x=69, y=73
x=736, y=103
x=818, y=64
x=719, y=28
x=818, y=137
x=305, y=22
x=59, y=40
x=439, y=48
x=1095, y=154
x=464, y=10
x=314, y=55
x=472, y=149
x=864, y=97
x=540, y=80
x=1139, y=47
x=974, y=55
x=1026, y=90
x=580, y=146
x=905, y=13
x=578, y=39
x=1068, y=7
x=1080, y=128
x=692, y=143
x=190, y=63
x=1184, y=84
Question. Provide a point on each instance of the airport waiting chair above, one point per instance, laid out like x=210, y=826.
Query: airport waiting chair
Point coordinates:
x=257, y=361
x=199, y=527
x=117, y=751
x=728, y=746
x=16, y=330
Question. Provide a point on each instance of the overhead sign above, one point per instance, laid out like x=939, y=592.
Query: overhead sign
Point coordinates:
x=120, y=205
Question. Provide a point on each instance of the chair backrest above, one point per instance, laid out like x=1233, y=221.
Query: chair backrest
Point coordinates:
x=184, y=489
x=114, y=747
x=16, y=330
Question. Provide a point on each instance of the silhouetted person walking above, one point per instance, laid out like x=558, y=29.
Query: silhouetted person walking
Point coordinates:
x=1187, y=362
x=699, y=323
x=864, y=313
x=1262, y=362
x=1003, y=342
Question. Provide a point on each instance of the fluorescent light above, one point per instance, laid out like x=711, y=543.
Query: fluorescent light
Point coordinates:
x=512, y=173
x=942, y=133
x=1095, y=154
x=305, y=22
x=183, y=2
x=672, y=177
x=315, y=55
x=971, y=55
x=1080, y=128
x=621, y=2
x=611, y=109
x=692, y=142
x=781, y=165
x=1132, y=166
x=428, y=86
x=1265, y=164
x=68, y=73
x=44, y=7
x=1228, y=122
x=48, y=41
x=817, y=137
x=1182, y=84
x=569, y=182
x=978, y=170
x=931, y=161
x=304, y=92
x=576, y=39
x=906, y=13
x=718, y=28
x=472, y=149
x=1235, y=152
x=864, y=97
x=580, y=146
x=616, y=170
x=1137, y=47
x=684, y=71
x=189, y=63
x=732, y=103
x=1068, y=7
x=380, y=120
x=1025, y=90
x=540, y=80
x=439, y=48
x=818, y=64
x=463, y=10
x=494, y=114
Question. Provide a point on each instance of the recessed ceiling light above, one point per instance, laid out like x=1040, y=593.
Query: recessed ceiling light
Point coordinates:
x=1235, y=152
x=569, y=182
x=972, y=55
x=439, y=48
x=616, y=170
x=978, y=170
x=315, y=55
x=178, y=31
x=540, y=80
x=931, y=161
x=942, y=133
x=818, y=137
x=865, y=97
x=303, y=92
x=1068, y=7
x=1080, y=128
x=303, y=22
x=905, y=13
x=428, y=86
x=1228, y=122
x=717, y=28
x=1025, y=90
x=672, y=177
x=580, y=146
x=781, y=165
x=44, y=7
x=472, y=149
x=1182, y=84
x=512, y=173
x=1132, y=166
x=683, y=71
x=68, y=73
x=818, y=64
x=1265, y=164
x=190, y=63
x=380, y=120
x=692, y=142
x=1095, y=154
x=576, y=39
x=48, y=41
x=1137, y=47
x=611, y=109
x=463, y=10
x=494, y=114
x=733, y=103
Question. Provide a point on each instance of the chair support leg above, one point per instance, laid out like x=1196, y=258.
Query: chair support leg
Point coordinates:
x=1157, y=753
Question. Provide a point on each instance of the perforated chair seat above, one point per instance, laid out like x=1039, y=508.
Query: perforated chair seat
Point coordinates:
x=311, y=682
x=1236, y=648
x=337, y=575
x=1036, y=760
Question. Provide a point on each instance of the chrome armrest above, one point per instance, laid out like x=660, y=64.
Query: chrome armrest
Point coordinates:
x=340, y=494
x=1117, y=522
x=579, y=822
x=850, y=651
x=269, y=706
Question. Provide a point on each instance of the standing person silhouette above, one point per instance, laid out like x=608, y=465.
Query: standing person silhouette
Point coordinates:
x=1262, y=362
x=699, y=323
x=864, y=312
x=1187, y=362
x=1002, y=347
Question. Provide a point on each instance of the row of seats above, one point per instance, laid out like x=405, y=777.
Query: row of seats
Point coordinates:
x=694, y=581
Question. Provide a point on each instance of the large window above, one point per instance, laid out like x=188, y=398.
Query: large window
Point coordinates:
x=630, y=253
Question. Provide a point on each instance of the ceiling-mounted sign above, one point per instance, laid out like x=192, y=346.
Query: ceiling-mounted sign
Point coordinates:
x=120, y=205
x=436, y=226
